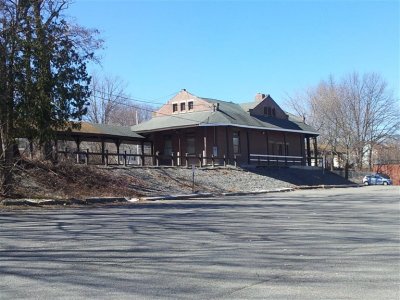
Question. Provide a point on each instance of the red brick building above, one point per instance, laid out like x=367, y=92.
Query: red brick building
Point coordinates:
x=256, y=132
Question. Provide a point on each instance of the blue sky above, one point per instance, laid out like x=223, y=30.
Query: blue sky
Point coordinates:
x=231, y=50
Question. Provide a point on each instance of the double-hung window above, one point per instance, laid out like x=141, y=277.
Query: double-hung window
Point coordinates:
x=236, y=142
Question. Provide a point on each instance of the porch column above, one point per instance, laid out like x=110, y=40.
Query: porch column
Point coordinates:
x=227, y=144
x=152, y=153
x=55, y=150
x=284, y=146
x=205, y=146
x=301, y=148
x=179, y=154
x=78, y=148
x=248, y=147
x=117, y=143
x=308, y=151
x=142, y=152
x=315, y=151
x=102, y=151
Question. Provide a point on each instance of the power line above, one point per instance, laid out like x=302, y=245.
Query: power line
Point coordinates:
x=146, y=109
x=132, y=99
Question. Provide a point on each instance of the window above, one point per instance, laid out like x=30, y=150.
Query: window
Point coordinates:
x=183, y=106
x=190, y=145
x=190, y=105
x=236, y=142
x=268, y=111
x=167, y=145
x=174, y=107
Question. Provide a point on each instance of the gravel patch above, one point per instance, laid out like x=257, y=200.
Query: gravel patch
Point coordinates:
x=216, y=180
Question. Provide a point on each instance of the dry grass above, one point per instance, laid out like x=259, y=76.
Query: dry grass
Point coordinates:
x=35, y=179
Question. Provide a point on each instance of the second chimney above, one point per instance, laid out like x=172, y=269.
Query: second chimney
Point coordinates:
x=259, y=97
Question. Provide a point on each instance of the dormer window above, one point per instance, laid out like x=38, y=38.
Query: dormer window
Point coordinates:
x=175, y=107
x=183, y=106
x=269, y=111
x=190, y=105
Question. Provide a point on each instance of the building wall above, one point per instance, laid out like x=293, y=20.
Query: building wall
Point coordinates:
x=183, y=97
x=219, y=141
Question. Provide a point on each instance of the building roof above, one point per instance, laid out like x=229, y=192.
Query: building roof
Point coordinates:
x=92, y=130
x=227, y=114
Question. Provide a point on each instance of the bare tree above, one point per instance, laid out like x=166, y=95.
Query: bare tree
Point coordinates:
x=357, y=114
x=110, y=103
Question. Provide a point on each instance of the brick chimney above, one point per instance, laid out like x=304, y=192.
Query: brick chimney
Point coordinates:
x=259, y=97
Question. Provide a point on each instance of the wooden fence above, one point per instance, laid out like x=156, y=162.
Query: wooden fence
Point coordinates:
x=128, y=159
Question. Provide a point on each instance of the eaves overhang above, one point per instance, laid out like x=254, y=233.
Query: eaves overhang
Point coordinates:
x=311, y=133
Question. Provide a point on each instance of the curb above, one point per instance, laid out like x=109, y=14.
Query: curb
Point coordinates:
x=178, y=197
x=324, y=186
x=281, y=190
x=108, y=200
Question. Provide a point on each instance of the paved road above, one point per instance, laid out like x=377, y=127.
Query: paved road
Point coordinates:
x=314, y=244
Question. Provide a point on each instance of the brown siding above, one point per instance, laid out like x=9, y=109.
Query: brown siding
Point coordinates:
x=222, y=138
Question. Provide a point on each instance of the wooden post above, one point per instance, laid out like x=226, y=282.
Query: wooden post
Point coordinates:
x=102, y=151
x=284, y=149
x=227, y=144
x=125, y=160
x=142, y=154
x=56, y=150
x=224, y=160
x=106, y=158
x=234, y=161
x=78, y=148
x=118, y=144
x=186, y=160
x=157, y=158
x=248, y=147
x=315, y=151
x=87, y=157
x=152, y=153
x=172, y=159
x=308, y=151
x=212, y=160
x=301, y=149
x=201, y=160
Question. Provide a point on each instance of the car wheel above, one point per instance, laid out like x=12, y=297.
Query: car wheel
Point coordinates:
x=385, y=183
x=366, y=183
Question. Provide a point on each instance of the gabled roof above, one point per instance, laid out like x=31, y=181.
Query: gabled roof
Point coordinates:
x=227, y=114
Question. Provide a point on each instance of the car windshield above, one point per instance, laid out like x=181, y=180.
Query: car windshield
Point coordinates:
x=383, y=176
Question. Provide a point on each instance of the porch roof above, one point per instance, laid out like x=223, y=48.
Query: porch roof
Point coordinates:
x=227, y=114
x=96, y=132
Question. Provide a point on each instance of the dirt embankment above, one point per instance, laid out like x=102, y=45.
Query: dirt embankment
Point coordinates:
x=65, y=181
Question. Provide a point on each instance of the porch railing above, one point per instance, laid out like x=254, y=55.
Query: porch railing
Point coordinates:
x=275, y=160
x=128, y=159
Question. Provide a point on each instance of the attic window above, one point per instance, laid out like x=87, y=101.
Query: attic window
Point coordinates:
x=190, y=105
x=183, y=106
x=269, y=111
x=175, y=107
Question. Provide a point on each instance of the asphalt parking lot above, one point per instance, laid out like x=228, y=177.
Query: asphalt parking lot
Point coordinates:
x=310, y=244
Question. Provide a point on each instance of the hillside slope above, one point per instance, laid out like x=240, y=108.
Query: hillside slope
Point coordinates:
x=64, y=181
